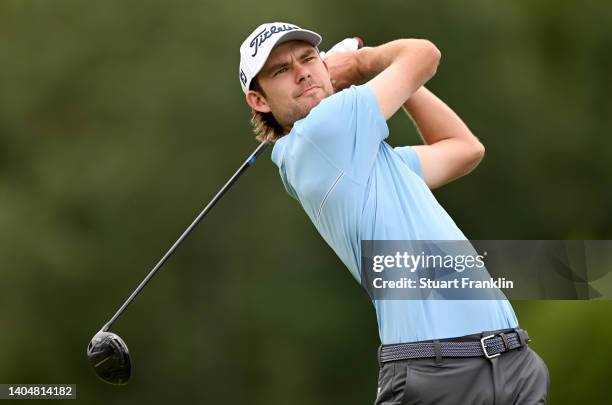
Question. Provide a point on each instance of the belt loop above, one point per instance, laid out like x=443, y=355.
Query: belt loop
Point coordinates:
x=505, y=339
x=438, y=352
x=379, y=357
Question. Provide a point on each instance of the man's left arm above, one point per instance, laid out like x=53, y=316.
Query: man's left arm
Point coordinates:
x=450, y=149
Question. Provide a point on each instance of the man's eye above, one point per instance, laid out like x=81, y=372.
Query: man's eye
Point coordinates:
x=281, y=70
x=309, y=58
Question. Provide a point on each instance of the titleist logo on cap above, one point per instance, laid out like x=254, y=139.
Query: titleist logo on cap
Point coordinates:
x=262, y=36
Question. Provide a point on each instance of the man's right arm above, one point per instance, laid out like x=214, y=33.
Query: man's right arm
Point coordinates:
x=397, y=69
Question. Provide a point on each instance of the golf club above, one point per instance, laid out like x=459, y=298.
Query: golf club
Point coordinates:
x=107, y=352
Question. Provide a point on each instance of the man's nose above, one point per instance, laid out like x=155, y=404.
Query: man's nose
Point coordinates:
x=302, y=72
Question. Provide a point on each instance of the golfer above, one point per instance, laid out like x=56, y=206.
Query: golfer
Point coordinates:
x=327, y=120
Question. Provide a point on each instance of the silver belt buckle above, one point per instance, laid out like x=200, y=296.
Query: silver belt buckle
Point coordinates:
x=484, y=347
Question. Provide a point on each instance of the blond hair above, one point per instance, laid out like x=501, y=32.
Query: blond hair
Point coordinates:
x=264, y=125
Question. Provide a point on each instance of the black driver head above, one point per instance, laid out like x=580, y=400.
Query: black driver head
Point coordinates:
x=110, y=358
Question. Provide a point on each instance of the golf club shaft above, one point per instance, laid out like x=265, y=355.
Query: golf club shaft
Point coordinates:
x=249, y=162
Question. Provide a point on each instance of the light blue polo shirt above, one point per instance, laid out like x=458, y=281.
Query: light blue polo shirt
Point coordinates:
x=354, y=187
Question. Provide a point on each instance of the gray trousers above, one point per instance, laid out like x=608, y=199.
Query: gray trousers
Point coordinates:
x=516, y=377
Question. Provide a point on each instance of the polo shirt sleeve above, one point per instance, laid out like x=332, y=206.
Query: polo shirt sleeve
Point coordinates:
x=411, y=158
x=347, y=128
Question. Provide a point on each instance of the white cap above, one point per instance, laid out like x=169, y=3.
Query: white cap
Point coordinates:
x=255, y=50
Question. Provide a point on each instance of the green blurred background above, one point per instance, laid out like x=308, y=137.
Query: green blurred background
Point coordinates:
x=119, y=120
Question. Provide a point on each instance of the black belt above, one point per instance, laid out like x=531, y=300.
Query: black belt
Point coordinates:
x=488, y=344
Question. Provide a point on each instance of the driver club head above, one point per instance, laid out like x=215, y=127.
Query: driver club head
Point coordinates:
x=110, y=358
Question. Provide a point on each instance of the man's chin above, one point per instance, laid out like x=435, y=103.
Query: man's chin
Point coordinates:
x=315, y=99
x=310, y=103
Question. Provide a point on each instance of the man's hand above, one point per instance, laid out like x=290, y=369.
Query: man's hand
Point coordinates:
x=342, y=63
x=344, y=70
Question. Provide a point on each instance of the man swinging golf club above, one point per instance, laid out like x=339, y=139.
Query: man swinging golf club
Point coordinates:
x=327, y=120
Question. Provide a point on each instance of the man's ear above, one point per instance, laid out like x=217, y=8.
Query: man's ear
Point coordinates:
x=257, y=102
